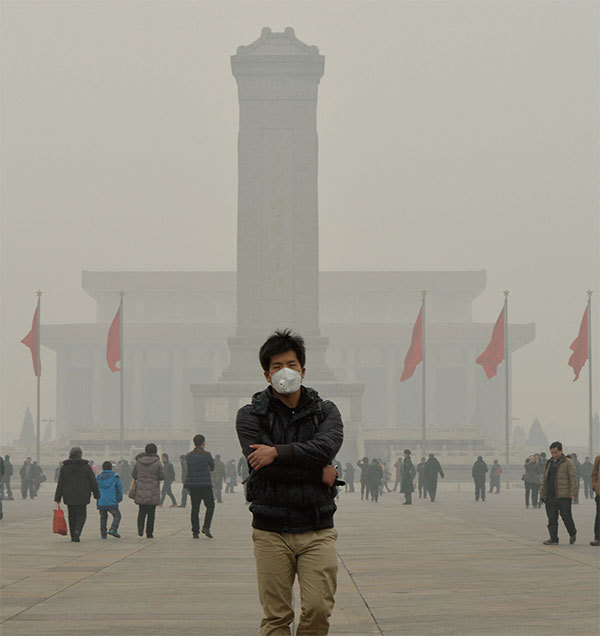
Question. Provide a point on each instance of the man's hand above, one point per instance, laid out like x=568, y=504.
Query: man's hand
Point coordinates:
x=329, y=475
x=263, y=455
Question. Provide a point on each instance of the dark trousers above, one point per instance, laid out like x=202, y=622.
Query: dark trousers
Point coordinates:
x=364, y=489
x=166, y=490
x=114, y=526
x=184, y=494
x=27, y=486
x=146, y=515
x=422, y=489
x=374, y=490
x=408, y=497
x=562, y=506
x=479, y=490
x=349, y=486
x=77, y=516
x=597, y=520
x=495, y=483
x=534, y=489
x=587, y=488
x=431, y=488
x=198, y=494
x=9, y=491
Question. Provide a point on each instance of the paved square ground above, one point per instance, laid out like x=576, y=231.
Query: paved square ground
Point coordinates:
x=450, y=567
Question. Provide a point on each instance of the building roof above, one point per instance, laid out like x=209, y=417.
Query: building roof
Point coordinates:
x=273, y=43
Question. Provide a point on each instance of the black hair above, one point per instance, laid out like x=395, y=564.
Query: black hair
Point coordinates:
x=74, y=453
x=151, y=449
x=165, y=455
x=280, y=342
x=199, y=439
x=556, y=445
x=107, y=465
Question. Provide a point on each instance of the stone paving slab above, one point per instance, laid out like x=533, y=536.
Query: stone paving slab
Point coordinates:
x=443, y=568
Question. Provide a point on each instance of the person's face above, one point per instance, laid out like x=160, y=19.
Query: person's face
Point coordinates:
x=288, y=360
x=28, y=460
x=555, y=453
x=164, y=458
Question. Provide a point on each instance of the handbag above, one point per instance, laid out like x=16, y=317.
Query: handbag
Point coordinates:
x=59, y=525
x=132, y=490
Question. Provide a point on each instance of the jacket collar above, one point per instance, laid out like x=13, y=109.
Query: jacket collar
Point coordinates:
x=263, y=400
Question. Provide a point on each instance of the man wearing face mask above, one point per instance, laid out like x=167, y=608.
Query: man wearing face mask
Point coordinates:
x=290, y=436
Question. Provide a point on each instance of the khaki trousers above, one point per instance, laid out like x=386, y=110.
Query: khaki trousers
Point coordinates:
x=279, y=557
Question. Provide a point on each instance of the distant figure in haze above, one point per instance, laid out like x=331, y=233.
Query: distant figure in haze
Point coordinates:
x=200, y=465
x=27, y=473
x=230, y=476
x=596, y=491
x=125, y=475
x=148, y=473
x=577, y=463
x=111, y=494
x=586, y=475
x=8, y=471
x=375, y=475
x=349, y=477
x=38, y=477
x=363, y=464
x=408, y=477
x=479, y=472
x=495, y=473
x=169, y=472
x=184, y=491
x=421, y=479
x=558, y=490
x=431, y=471
x=398, y=467
x=532, y=480
x=243, y=472
x=76, y=483
x=218, y=478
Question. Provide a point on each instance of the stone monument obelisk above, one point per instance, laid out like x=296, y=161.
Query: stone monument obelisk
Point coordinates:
x=278, y=235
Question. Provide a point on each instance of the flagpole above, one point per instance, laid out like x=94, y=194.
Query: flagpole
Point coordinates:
x=506, y=390
x=38, y=373
x=424, y=406
x=121, y=425
x=589, y=327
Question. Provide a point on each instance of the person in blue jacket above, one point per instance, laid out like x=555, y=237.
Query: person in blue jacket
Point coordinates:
x=111, y=493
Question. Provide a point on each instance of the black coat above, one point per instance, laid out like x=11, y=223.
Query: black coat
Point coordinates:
x=76, y=482
x=408, y=475
x=432, y=470
x=479, y=471
x=289, y=495
x=375, y=473
x=169, y=472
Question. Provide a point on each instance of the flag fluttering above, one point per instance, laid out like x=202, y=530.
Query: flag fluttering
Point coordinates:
x=579, y=347
x=494, y=352
x=32, y=340
x=414, y=355
x=113, y=344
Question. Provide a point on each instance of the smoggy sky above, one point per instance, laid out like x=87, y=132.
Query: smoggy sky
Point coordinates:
x=452, y=135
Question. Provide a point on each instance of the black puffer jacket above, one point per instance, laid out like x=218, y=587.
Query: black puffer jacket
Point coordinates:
x=76, y=482
x=288, y=495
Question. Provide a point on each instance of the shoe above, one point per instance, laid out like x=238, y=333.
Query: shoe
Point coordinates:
x=572, y=539
x=103, y=536
x=196, y=535
x=550, y=542
x=140, y=533
x=149, y=536
x=75, y=539
x=596, y=542
x=206, y=532
x=180, y=506
x=114, y=533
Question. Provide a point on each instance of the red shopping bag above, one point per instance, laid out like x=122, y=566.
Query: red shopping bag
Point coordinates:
x=60, y=525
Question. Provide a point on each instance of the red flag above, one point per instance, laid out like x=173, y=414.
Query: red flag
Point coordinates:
x=32, y=340
x=494, y=353
x=414, y=355
x=580, y=347
x=113, y=344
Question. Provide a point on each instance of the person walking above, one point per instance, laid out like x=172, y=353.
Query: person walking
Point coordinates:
x=27, y=473
x=586, y=475
x=148, y=473
x=577, y=464
x=363, y=464
x=184, y=492
x=8, y=471
x=169, y=472
x=200, y=464
x=76, y=484
x=111, y=494
x=243, y=472
x=375, y=476
x=398, y=471
x=125, y=475
x=230, y=477
x=431, y=471
x=421, y=479
x=495, y=477
x=290, y=436
x=349, y=477
x=532, y=480
x=596, y=491
x=2, y=469
x=408, y=477
x=478, y=473
x=218, y=477
x=558, y=490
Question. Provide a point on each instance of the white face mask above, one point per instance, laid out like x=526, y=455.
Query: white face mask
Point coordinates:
x=286, y=381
